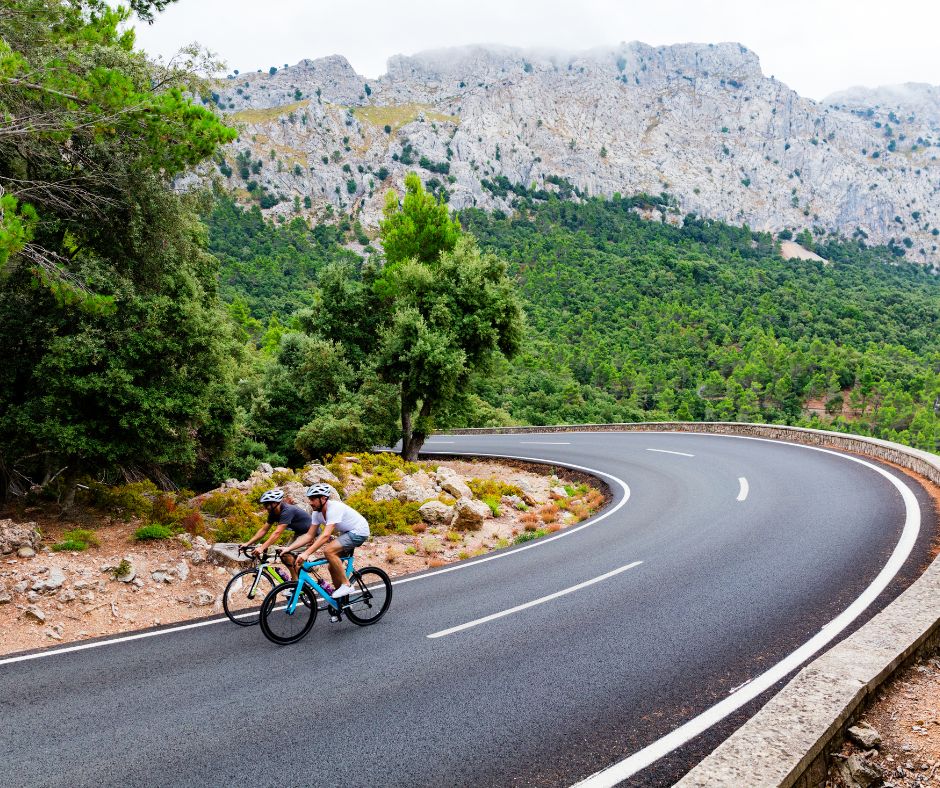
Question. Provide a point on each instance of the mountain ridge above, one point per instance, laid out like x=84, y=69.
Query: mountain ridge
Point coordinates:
x=492, y=126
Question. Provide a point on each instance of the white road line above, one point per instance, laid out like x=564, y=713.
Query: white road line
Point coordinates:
x=642, y=758
x=666, y=451
x=53, y=652
x=742, y=495
x=534, y=602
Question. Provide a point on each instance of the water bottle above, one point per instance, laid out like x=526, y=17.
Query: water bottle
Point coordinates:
x=328, y=587
x=285, y=575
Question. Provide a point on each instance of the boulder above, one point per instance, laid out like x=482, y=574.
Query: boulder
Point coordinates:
x=203, y=599
x=469, y=515
x=52, y=582
x=264, y=468
x=857, y=771
x=182, y=570
x=558, y=492
x=415, y=487
x=226, y=554
x=13, y=536
x=319, y=473
x=34, y=613
x=5, y=596
x=864, y=735
x=514, y=501
x=26, y=552
x=454, y=485
x=436, y=513
x=384, y=492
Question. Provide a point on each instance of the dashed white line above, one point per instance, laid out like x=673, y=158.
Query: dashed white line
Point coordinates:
x=666, y=451
x=742, y=494
x=632, y=764
x=534, y=602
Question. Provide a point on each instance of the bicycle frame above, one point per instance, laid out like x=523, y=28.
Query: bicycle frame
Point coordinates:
x=272, y=572
x=304, y=578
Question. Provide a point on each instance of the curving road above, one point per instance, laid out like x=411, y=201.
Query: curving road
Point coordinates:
x=719, y=557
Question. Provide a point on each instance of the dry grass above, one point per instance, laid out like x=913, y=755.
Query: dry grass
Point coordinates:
x=549, y=512
x=266, y=115
x=398, y=115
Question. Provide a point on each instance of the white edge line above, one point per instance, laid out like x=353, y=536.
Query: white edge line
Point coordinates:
x=629, y=766
x=452, y=568
x=745, y=489
x=534, y=602
x=666, y=451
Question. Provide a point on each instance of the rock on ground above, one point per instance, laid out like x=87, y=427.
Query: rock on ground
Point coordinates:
x=13, y=536
x=469, y=515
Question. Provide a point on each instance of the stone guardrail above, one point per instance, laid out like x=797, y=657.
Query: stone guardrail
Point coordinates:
x=794, y=730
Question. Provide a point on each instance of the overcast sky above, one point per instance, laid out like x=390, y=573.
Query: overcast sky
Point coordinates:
x=814, y=46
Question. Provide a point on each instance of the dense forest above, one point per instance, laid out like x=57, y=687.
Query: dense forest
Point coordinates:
x=177, y=336
x=630, y=319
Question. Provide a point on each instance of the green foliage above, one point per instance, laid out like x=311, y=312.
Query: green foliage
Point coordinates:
x=77, y=539
x=122, y=569
x=418, y=228
x=152, y=532
x=119, y=355
x=386, y=517
x=632, y=320
x=528, y=536
x=481, y=487
x=272, y=269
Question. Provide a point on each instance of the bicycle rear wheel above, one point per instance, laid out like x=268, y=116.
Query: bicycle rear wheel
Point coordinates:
x=243, y=596
x=280, y=626
x=370, y=597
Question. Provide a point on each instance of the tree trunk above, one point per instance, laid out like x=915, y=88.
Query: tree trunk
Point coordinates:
x=418, y=434
x=406, y=405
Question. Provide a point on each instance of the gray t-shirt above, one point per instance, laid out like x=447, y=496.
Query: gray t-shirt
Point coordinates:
x=293, y=517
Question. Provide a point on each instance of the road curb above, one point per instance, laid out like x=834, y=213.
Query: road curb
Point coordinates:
x=787, y=742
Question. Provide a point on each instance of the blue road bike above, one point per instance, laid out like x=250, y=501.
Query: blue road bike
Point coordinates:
x=290, y=610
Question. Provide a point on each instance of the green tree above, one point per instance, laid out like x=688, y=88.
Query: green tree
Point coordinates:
x=418, y=227
x=121, y=356
x=448, y=319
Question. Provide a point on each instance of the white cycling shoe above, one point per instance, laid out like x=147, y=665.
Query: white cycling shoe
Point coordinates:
x=343, y=590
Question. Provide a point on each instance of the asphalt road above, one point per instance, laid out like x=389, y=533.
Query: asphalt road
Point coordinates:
x=546, y=695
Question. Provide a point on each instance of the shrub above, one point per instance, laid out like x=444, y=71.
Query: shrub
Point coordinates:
x=77, y=539
x=493, y=502
x=528, y=536
x=481, y=487
x=411, y=550
x=126, y=500
x=121, y=569
x=549, y=512
x=453, y=536
x=151, y=532
x=386, y=517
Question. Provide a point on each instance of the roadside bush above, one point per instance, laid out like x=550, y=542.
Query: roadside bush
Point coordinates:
x=77, y=539
x=493, y=487
x=386, y=517
x=126, y=500
x=152, y=532
x=528, y=536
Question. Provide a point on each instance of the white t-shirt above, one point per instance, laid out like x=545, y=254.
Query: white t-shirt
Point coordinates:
x=343, y=518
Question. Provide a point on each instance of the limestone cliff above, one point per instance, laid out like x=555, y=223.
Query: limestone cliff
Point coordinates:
x=486, y=124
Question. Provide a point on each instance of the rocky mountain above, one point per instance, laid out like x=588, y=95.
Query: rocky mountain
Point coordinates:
x=490, y=125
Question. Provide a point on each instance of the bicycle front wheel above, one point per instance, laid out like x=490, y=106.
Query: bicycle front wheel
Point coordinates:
x=279, y=625
x=244, y=594
x=370, y=597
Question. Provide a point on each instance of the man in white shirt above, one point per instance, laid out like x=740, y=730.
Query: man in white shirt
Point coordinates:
x=351, y=527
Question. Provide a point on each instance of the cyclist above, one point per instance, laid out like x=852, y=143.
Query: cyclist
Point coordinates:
x=351, y=527
x=282, y=516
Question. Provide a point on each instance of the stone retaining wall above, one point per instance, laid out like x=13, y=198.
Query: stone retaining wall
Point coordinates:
x=796, y=729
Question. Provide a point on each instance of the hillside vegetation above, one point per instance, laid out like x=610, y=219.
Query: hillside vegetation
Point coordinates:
x=632, y=320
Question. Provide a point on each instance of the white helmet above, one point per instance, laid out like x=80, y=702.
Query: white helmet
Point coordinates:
x=272, y=496
x=319, y=489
